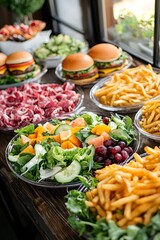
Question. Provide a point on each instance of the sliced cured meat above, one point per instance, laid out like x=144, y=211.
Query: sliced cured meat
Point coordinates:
x=34, y=102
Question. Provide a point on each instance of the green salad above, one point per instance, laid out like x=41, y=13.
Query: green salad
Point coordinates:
x=60, y=45
x=62, y=151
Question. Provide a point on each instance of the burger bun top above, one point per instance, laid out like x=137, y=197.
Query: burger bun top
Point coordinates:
x=3, y=58
x=19, y=57
x=104, y=52
x=77, y=62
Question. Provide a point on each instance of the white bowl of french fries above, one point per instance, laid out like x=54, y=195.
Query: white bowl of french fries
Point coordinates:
x=147, y=119
x=126, y=91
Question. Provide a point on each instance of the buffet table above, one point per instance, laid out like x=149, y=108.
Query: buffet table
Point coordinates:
x=45, y=207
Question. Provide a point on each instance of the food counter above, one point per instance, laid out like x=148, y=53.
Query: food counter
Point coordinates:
x=45, y=207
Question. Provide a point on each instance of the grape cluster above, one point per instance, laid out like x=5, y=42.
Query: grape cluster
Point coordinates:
x=112, y=152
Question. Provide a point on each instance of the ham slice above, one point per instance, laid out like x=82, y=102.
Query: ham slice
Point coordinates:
x=34, y=103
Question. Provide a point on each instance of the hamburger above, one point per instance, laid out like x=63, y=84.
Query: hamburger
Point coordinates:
x=3, y=68
x=79, y=68
x=21, y=65
x=108, y=58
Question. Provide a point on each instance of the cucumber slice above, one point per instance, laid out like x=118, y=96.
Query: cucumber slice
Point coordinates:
x=89, y=138
x=69, y=173
x=92, y=148
x=62, y=127
x=112, y=125
x=13, y=158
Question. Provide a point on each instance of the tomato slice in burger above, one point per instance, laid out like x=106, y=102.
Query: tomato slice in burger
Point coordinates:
x=2, y=67
x=20, y=64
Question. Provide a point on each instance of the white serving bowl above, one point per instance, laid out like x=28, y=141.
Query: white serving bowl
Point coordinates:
x=30, y=45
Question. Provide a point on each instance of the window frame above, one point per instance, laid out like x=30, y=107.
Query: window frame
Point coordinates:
x=89, y=15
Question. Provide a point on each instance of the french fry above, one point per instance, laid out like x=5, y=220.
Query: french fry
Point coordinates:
x=95, y=199
x=127, y=210
x=122, y=222
x=101, y=194
x=137, y=220
x=100, y=211
x=140, y=209
x=108, y=215
x=144, y=192
x=118, y=178
x=112, y=187
x=107, y=199
x=149, y=213
x=147, y=199
x=89, y=204
x=124, y=200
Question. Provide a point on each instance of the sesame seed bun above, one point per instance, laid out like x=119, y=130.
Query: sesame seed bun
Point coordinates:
x=104, y=52
x=77, y=62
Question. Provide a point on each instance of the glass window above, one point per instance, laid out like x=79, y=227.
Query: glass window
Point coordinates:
x=71, y=14
x=130, y=25
x=67, y=17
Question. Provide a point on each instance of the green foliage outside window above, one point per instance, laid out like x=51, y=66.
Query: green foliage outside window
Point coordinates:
x=128, y=23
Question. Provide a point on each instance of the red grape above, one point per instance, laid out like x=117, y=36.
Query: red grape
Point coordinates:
x=109, y=148
x=130, y=150
x=105, y=120
x=98, y=159
x=109, y=142
x=124, y=154
x=112, y=152
x=107, y=162
x=115, y=149
x=111, y=156
x=118, y=157
x=101, y=151
x=122, y=144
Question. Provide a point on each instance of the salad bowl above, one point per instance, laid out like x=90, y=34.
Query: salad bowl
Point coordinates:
x=118, y=93
x=147, y=135
x=60, y=152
